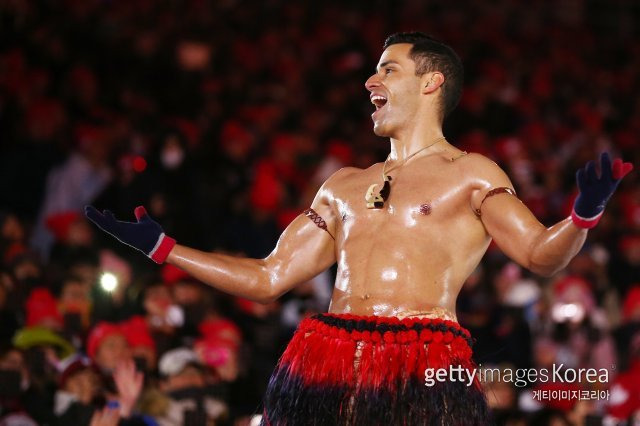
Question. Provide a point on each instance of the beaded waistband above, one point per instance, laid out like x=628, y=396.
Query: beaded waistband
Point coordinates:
x=387, y=329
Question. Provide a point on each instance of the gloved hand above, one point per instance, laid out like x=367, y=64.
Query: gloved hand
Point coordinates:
x=145, y=235
x=595, y=191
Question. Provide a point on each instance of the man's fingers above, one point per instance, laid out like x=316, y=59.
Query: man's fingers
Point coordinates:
x=107, y=217
x=91, y=212
x=591, y=174
x=581, y=178
x=605, y=166
x=95, y=216
x=617, y=168
x=108, y=214
x=123, y=367
x=621, y=169
x=140, y=212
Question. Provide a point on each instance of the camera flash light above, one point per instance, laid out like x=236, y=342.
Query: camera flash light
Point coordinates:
x=108, y=282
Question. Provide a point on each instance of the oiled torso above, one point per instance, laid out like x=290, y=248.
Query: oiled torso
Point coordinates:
x=414, y=254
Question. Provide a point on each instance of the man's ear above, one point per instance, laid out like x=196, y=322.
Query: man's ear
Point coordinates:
x=431, y=81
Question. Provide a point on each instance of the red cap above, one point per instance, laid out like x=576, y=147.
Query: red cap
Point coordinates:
x=59, y=223
x=574, y=289
x=220, y=340
x=171, y=274
x=77, y=365
x=136, y=330
x=631, y=302
x=220, y=329
x=101, y=331
x=41, y=305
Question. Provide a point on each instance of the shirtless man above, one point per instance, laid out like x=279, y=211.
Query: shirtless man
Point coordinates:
x=404, y=248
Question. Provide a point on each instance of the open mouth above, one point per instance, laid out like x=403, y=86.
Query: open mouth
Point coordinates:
x=378, y=101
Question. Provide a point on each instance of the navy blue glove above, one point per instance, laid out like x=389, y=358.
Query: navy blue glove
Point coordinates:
x=145, y=235
x=595, y=191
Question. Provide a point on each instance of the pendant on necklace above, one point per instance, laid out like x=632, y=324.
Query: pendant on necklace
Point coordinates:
x=377, y=201
x=374, y=201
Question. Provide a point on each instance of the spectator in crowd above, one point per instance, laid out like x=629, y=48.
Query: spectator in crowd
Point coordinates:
x=184, y=380
x=79, y=387
x=107, y=346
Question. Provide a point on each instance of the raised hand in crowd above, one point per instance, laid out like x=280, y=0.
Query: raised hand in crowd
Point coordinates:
x=129, y=383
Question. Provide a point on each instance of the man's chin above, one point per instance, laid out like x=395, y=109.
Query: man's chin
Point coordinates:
x=380, y=130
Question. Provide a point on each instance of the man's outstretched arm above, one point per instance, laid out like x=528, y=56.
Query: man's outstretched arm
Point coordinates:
x=543, y=250
x=517, y=232
x=303, y=251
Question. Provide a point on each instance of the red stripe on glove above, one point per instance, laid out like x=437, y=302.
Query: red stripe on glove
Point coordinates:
x=160, y=253
x=586, y=223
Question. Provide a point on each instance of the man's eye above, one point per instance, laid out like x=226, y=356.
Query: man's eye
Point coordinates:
x=387, y=70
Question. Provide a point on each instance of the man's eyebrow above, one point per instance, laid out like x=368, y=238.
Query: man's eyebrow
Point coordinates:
x=385, y=63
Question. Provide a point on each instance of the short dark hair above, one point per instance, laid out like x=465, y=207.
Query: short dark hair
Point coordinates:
x=430, y=54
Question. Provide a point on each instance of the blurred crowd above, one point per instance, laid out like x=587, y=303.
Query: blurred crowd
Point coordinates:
x=223, y=118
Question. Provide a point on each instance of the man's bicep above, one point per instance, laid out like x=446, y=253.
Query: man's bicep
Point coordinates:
x=506, y=219
x=305, y=249
x=512, y=226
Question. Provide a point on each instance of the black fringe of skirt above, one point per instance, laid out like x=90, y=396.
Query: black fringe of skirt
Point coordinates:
x=342, y=369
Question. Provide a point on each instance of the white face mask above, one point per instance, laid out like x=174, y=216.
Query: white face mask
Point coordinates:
x=172, y=158
x=24, y=382
x=175, y=316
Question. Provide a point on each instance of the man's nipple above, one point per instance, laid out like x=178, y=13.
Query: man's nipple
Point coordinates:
x=425, y=209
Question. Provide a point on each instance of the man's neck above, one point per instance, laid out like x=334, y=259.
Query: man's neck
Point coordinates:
x=409, y=142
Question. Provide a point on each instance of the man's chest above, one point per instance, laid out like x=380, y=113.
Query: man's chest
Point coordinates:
x=414, y=201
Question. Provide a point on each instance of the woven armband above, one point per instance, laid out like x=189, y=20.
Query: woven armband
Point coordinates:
x=491, y=193
x=317, y=219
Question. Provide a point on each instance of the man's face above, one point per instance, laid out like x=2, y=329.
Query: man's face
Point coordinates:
x=13, y=360
x=73, y=293
x=157, y=300
x=113, y=349
x=189, y=377
x=395, y=90
x=85, y=384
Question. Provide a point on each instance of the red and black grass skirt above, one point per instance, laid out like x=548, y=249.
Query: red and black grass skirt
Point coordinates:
x=342, y=369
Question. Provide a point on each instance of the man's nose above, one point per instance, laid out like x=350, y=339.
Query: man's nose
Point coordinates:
x=372, y=82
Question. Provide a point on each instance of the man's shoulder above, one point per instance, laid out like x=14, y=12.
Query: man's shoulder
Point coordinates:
x=477, y=166
x=344, y=175
x=336, y=185
x=477, y=160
